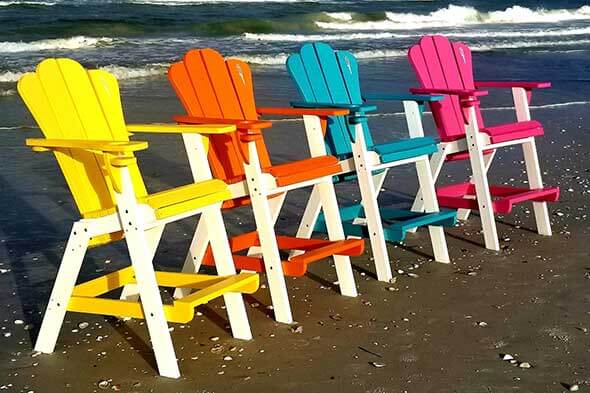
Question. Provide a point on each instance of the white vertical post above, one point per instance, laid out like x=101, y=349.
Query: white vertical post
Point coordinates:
x=482, y=188
x=370, y=205
x=67, y=274
x=268, y=242
x=139, y=251
x=224, y=263
x=531, y=160
x=463, y=214
x=194, y=256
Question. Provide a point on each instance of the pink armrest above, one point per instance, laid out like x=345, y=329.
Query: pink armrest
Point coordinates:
x=463, y=93
x=509, y=84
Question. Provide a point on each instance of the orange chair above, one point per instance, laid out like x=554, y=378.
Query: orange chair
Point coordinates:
x=213, y=89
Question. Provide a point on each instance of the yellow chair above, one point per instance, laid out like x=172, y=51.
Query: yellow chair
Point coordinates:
x=80, y=114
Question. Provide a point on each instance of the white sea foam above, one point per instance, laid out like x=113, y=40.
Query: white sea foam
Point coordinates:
x=7, y=92
x=123, y=72
x=202, y=2
x=16, y=2
x=10, y=76
x=76, y=42
x=454, y=15
x=274, y=59
x=388, y=35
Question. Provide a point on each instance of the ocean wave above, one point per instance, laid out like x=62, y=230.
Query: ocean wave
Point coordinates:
x=7, y=92
x=203, y=2
x=76, y=42
x=16, y=2
x=454, y=15
x=124, y=73
x=388, y=35
x=10, y=76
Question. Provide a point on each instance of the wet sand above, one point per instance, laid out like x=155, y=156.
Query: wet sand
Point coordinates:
x=444, y=330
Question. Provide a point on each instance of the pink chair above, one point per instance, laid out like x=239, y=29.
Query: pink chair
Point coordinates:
x=445, y=68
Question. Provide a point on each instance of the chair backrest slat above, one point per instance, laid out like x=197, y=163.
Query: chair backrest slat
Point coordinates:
x=69, y=102
x=438, y=63
x=323, y=75
x=210, y=86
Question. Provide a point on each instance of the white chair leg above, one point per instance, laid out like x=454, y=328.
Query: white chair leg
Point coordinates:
x=194, y=257
x=437, y=233
x=463, y=214
x=309, y=219
x=482, y=187
x=436, y=164
x=533, y=171
x=268, y=242
x=275, y=204
x=153, y=236
x=62, y=289
x=236, y=311
x=371, y=207
x=329, y=204
x=149, y=292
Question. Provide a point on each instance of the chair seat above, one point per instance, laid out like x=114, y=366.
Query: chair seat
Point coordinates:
x=186, y=198
x=404, y=149
x=303, y=170
x=513, y=131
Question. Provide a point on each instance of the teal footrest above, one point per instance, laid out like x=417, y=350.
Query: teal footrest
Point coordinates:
x=396, y=222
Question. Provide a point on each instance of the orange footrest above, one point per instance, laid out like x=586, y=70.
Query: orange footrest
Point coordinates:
x=314, y=250
x=462, y=196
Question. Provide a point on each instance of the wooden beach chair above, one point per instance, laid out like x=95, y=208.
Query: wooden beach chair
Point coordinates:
x=213, y=89
x=445, y=68
x=329, y=78
x=80, y=115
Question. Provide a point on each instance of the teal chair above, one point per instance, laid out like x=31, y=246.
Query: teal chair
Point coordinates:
x=326, y=78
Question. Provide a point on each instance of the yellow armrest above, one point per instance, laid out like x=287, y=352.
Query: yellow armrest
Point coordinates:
x=40, y=144
x=182, y=128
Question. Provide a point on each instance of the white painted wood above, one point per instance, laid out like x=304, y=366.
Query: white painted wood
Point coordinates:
x=371, y=207
x=482, y=189
x=436, y=164
x=531, y=159
x=194, y=257
x=309, y=219
x=437, y=233
x=276, y=204
x=67, y=274
x=413, y=119
x=268, y=242
x=236, y=310
x=139, y=252
x=463, y=214
x=152, y=235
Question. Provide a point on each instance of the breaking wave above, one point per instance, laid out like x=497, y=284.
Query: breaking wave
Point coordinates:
x=76, y=42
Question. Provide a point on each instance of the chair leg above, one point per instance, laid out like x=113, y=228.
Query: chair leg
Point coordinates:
x=463, y=214
x=371, y=207
x=329, y=203
x=309, y=219
x=153, y=236
x=194, y=257
x=236, y=311
x=437, y=233
x=62, y=289
x=436, y=164
x=275, y=204
x=482, y=187
x=151, y=302
x=268, y=242
x=533, y=171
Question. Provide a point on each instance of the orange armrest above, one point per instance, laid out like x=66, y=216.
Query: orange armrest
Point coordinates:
x=118, y=147
x=322, y=112
x=510, y=84
x=239, y=123
x=182, y=128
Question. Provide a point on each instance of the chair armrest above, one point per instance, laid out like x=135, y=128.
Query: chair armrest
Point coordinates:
x=116, y=147
x=239, y=124
x=324, y=112
x=182, y=128
x=352, y=108
x=462, y=93
x=402, y=97
x=510, y=84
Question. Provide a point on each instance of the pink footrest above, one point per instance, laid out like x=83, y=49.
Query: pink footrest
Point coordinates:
x=462, y=196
